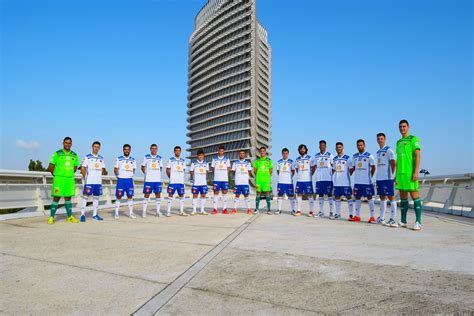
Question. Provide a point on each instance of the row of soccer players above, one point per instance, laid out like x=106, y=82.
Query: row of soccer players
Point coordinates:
x=333, y=177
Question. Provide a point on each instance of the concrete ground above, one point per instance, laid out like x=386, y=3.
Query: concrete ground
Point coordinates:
x=235, y=264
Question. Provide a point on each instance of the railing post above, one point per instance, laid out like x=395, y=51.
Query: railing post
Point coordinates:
x=429, y=196
x=450, y=200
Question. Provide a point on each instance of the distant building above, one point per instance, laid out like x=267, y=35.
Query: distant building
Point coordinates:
x=229, y=80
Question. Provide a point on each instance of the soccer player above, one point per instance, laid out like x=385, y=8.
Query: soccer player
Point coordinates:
x=62, y=165
x=198, y=171
x=124, y=169
x=408, y=164
x=220, y=167
x=242, y=170
x=92, y=168
x=342, y=171
x=385, y=181
x=151, y=167
x=304, y=184
x=363, y=167
x=263, y=169
x=322, y=161
x=285, y=170
x=175, y=169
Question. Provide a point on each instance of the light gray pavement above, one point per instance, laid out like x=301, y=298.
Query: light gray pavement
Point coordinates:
x=235, y=264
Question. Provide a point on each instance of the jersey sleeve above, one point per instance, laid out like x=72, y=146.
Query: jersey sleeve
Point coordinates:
x=391, y=154
x=350, y=163
x=207, y=166
x=144, y=162
x=191, y=167
x=103, y=164
x=116, y=163
x=213, y=163
x=371, y=160
x=134, y=164
x=84, y=162
x=278, y=166
x=54, y=159
x=415, y=143
x=168, y=164
x=233, y=167
x=161, y=163
x=312, y=162
x=77, y=163
x=271, y=164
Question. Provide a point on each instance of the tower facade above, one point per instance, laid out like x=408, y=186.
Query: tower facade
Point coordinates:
x=229, y=80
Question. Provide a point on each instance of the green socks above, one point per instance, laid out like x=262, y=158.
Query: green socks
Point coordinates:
x=267, y=198
x=68, y=206
x=404, y=210
x=417, y=203
x=257, y=202
x=54, y=208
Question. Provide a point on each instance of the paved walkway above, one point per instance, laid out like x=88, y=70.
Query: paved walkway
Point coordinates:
x=235, y=264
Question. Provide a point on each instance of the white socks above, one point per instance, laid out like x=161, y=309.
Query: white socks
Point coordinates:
x=372, y=207
x=224, y=201
x=84, y=204
x=383, y=207
x=181, y=204
x=117, y=207
x=358, y=202
x=145, y=204
x=130, y=206
x=393, y=210
x=195, y=200
x=203, y=204
x=292, y=203
x=215, y=200
x=299, y=198
x=236, y=202
x=350, y=204
x=247, y=200
x=158, y=205
x=331, y=203
x=280, y=202
x=170, y=200
x=321, y=204
x=338, y=207
x=311, y=203
x=95, y=205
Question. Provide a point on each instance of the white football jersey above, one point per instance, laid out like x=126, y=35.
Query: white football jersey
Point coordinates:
x=384, y=170
x=126, y=167
x=241, y=169
x=94, y=166
x=177, y=168
x=153, y=167
x=200, y=169
x=341, y=166
x=303, y=168
x=284, y=168
x=362, y=164
x=221, y=166
x=323, y=163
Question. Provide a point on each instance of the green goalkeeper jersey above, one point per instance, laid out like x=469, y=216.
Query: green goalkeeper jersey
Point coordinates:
x=64, y=163
x=406, y=147
x=263, y=166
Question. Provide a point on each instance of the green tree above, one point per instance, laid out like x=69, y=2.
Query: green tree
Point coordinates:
x=36, y=165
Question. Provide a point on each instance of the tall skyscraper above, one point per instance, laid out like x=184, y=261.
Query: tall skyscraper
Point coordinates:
x=229, y=80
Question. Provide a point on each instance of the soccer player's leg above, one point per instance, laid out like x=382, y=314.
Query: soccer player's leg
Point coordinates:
x=195, y=192
x=180, y=189
x=216, y=188
x=246, y=193
x=96, y=194
x=358, y=190
x=237, y=192
x=119, y=193
x=147, y=189
x=130, y=190
x=225, y=189
x=369, y=193
x=320, y=193
x=171, y=190
x=157, y=190
x=406, y=186
x=86, y=194
x=204, y=191
x=69, y=187
x=258, y=192
x=299, y=190
x=308, y=187
x=281, y=191
x=328, y=192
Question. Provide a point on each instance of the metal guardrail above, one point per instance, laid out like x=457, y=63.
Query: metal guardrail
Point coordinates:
x=31, y=192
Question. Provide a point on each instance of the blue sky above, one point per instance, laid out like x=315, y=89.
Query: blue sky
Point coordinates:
x=116, y=71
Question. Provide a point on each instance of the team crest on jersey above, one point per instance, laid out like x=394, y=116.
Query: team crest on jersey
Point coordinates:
x=321, y=163
x=339, y=167
x=201, y=170
x=284, y=168
x=67, y=163
x=178, y=168
x=127, y=167
x=405, y=143
x=96, y=165
x=221, y=166
x=359, y=164
x=242, y=169
x=153, y=165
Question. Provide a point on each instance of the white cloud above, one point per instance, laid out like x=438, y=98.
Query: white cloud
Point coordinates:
x=31, y=145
